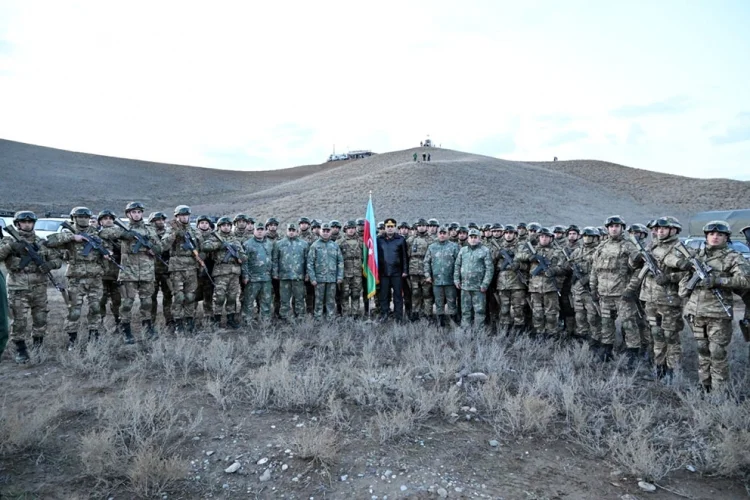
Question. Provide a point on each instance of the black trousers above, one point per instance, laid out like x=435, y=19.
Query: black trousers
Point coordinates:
x=388, y=283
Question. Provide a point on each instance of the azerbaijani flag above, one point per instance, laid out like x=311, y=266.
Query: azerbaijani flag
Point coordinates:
x=370, y=251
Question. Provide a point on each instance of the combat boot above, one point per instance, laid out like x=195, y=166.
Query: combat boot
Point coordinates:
x=414, y=317
x=190, y=325
x=93, y=335
x=148, y=327
x=232, y=321
x=604, y=353
x=72, y=337
x=37, y=342
x=441, y=320
x=216, y=320
x=179, y=325
x=22, y=354
x=127, y=333
x=632, y=354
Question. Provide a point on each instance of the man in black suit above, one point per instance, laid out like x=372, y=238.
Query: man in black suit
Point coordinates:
x=392, y=269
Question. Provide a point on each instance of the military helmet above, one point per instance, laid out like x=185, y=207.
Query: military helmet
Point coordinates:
x=463, y=229
x=303, y=220
x=638, y=228
x=510, y=228
x=223, y=220
x=614, y=220
x=675, y=223
x=546, y=231
x=24, y=215
x=81, y=212
x=360, y=222
x=521, y=225
x=746, y=231
x=718, y=226
x=335, y=223
x=153, y=216
x=315, y=223
x=421, y=222
x=134, y=205
x=497, y=227
x=602, y=231
x=181, y=210
x=454, y=226
x=486, y=227
x=590, y=231
x=472, y=225
x=239, y=217
x=433, y=222
x=203, y=218
x=381, y=225
x=443, y=229
x=272, y=221
x=558, y=229
x=534, y=226
x=106, y=213
x=574, y=228
x=350, y=223
x=404, y=224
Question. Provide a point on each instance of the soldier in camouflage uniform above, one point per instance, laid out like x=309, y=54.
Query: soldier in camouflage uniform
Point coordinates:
x=289, y=266
x=494, y=242
x=453, y=232
x=523, y=233
x=640, y=232
x=306, y=235
x=472, y=275
x=205, y=291
x=325, y=267
x=545, y=285
x=242, y=230
x=439, y=262
x=272, y=225
x=256, y=274
x=588, y=321
x=158, y=221
x=511, y=283
x=405, y=231
x=27, y=285
x=610, y=275
x=432, y=228
x=335, y=230
x=421, y=289
x=463, y=236
x=138, y=261
x=533, y=229
x=181, y=241
x=709, y=322
x=745, y=321
x=4, y=314
x=84, y=273
x=110, y=286
x=352, y=248
x=225, y=249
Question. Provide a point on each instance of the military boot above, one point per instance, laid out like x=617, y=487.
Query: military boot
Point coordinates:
x=661, y=371
x=632, y=355
x=127, y=333
x=232, y=321
x=604, y=353
x=37, y=342
x=414, y=316
x=190, y=325
x=441, y=320
x=216, y=320
x=179, y=325
x=72, y=337
x=22, y=354
x=93, y=335
x=148, y=327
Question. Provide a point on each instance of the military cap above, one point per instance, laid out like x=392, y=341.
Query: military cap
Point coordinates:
x=291, y=226
x=454, y=225
x=443, y=229
x=224, y=220
x=108, y=213
x=473, y=232
x=574, y=228
x=81, y=212
x=404, y=224
x=546, y=231
x=152, y=216
x=360, y=222
x=260, y=225
x=325, y=225
x=335, y=223
x=613, y=220
x=510, y=228
x=241, y=217
x=134, y=205
x=181, y=210
x=433, y=222
x=521, y=225
x=24, y=215
x=421, y=222
x=389, y=220
x=463, y=229
x=350, y=223
x=303, y=220
x=718, y=226
x=315, y=223
x=272, y=221
x=472, y=225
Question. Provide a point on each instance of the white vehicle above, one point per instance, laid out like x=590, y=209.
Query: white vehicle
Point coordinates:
x=336, y=157
x=45, y=227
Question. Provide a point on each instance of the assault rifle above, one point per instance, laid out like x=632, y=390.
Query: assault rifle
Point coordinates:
x=189, y=244
x=578, y=275
x=508, y=260
x=32, y=255
x=93, y=243
x=701, y=273
x=542, y=266
x=141, y=241
x=651, y=264
x=232, y=251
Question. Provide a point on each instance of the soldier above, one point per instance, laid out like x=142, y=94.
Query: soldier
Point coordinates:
x=84, y=273
x=158, y=221
x=463, y=237
x=226, y=251
x=352, y=248
x=432, y=229
x=438, y=268
x=545, y=284
x=559, y=232
x=610, y=275
x=640, y=232
x=256, y=274
x=289, y=266
x=523, y=233
x=573, y=234
x=304, y=233
x=309, y=237
x=486, y=233
x=472, y=275
x=533, y=228
x=421, y=290
x=709, y=321
x=381, y=229
x=325, y=267
x=205, y=290
x=494, y=243
x=404, y=229
x=241, y=230
x=511, y=284
x=588, y=320
x=335, y=230
x=453, y=232
x=315, y=228
x=272, y=226
x=565, y=240
x=27, y=282
x=110, y=286
x=361, y=229
x=4, y=315
x=139, y=245
x=745, y=321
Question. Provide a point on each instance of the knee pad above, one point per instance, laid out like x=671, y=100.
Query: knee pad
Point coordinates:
x=190, y=297
x=74, y=314
x=39, y=318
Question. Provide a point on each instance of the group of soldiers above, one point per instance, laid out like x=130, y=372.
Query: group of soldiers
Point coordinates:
x=560, y=282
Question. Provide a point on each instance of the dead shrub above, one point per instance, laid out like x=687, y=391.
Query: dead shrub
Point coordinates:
x=24, y=430
x=150, y=472
x=319, y=444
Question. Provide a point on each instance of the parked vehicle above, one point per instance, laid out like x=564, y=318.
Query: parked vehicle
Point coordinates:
x=45, y=227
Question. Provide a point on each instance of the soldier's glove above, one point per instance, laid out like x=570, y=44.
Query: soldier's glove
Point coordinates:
x=18, y=246
x=45, y=267
x=628, y=294
x=552, y=271
x=663, y=279
x=514, y=266
x=638, y=260
x=683, y=265
x=709, y=281
x=595, y=296
x=128, y=236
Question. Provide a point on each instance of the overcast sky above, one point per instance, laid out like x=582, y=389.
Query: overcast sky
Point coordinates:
x=660, y=85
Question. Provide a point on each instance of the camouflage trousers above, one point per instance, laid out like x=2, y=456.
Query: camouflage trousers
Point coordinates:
x=162, y=285
x=666, y=323
x=712, y=336
x=445, y=299
x=421, y=296
x=110, y=293
x=276, y=297
x=545, y=309
x=511, y=304
x=205, y=293
x=262, y=291
x=473, y=301
x=23, y=302
x=613, y=307
x=588, y=321
x=325, y=296
x=184, y=285
x=351, y=292
x=78, y=289
x=309, y=298
x=292, y=294
x=226, y=292
x=144, y=290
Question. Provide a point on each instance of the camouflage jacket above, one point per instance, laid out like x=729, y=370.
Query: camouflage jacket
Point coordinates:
x=258, y=266
x=242, y=236
x=325, y=262
x=272, y=237
x=290, y=259
x=733, y=273
x=30, y=275
x=159, y=267
x=307, y=236
x=473, y=269
x=666, y=258
x=138, y=266
x=582, y=257
x=610, y=268
x=439, y=262
x=224, y=263
x=542, y=283
x=79, y=265
x=416, y=249
x=181, y=258
x=352, y=249
x=510, y=279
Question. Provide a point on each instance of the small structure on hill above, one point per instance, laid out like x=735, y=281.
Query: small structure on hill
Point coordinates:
x=351, y=155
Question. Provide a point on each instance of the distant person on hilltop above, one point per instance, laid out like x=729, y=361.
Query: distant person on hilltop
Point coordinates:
x=424, y=156
x=415, y=156
x=429, y=157
x=420, y=144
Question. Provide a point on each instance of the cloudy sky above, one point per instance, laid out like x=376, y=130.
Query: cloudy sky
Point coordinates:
x=655, y=85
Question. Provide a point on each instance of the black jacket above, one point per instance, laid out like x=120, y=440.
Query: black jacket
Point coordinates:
x=392, y=260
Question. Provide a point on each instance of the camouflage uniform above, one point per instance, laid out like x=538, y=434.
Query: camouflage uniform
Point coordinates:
x=226, y=274
x=183, y=269
x=352, y=249
x=711, y=325
x=161, y=284
x=308, y=237
x=544, y=287
x=257, y=269
x=439, y=262
x=588, y=322
x=421, y=291
x=110, y=285
x=205, y=289
x=290, y=267
x=4, y=314
x=325, y=267
x=473, y=272
x=511, y=289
